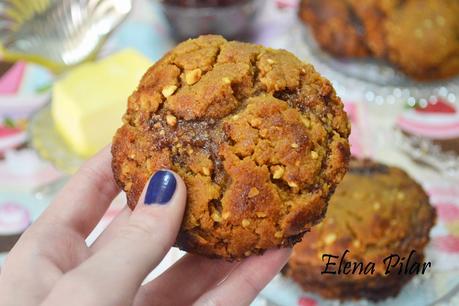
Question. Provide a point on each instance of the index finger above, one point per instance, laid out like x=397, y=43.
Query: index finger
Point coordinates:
x=247, y=280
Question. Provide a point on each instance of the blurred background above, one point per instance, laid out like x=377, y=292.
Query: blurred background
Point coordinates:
x=64, y=63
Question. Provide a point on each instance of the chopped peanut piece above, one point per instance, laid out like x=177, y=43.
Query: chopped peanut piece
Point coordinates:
x=314, y=155
x=193, y=76
x=216, y=217
x=261, y=214
x=330, y=238
x=292, y=184
x=171, y=120
x=206, y=171
x=169, y=90
x=294, y=145
x=278, y=172
x=253, y=192
x=245, y=222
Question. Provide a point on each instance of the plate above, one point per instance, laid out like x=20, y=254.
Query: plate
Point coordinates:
x=439, y=289
x=49, y=144
x=427, y=152
x=376, y=81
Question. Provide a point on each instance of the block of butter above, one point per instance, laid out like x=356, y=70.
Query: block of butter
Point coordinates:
x=89, y=102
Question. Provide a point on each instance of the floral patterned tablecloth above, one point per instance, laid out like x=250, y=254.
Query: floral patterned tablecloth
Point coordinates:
x=25, y=88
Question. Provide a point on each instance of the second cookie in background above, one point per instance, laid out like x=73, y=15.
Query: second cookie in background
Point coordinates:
x=378, y=215
x=417, y=36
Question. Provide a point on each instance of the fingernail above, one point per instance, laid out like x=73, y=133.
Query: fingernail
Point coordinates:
x=161, y=188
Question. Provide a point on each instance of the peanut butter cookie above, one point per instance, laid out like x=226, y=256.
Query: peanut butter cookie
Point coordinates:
x=420, y=37
x=377, y=211
x=259, y=137
x=336, y=27
x=423, y=38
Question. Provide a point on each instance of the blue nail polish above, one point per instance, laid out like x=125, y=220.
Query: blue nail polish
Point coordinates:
x=161, y=188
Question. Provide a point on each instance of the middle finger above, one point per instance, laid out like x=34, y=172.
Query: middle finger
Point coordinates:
x=184, y=282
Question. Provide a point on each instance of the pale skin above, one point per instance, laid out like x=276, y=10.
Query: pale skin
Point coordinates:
x=52, y=265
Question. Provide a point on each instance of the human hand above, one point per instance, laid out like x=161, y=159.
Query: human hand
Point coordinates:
x=52, y=265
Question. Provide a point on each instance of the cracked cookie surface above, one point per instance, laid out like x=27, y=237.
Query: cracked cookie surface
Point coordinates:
x=376, y=211
x=259, y=137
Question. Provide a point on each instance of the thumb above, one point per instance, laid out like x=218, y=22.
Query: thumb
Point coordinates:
x=117, y=270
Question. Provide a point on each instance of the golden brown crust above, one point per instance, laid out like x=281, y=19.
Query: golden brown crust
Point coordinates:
x=423, y=38
x=418, y=36
x=372, y=15
x=335, y=26
x=376, y=211
x=259, y=138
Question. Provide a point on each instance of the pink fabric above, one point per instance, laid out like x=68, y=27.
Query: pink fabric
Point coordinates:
x=307, y=301
x=448, y=212
x=447, y=243
x=11, y=80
